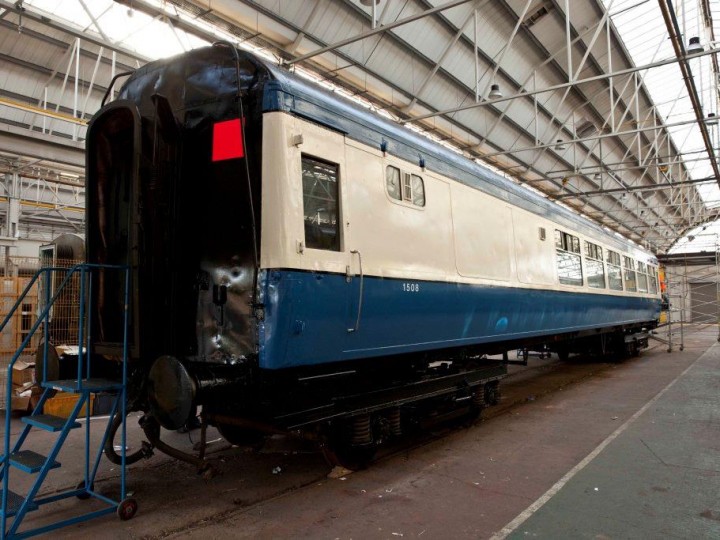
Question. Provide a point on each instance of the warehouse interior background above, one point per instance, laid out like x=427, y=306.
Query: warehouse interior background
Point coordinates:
x=608, y=107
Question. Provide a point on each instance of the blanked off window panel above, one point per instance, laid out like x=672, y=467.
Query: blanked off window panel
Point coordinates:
x=533, y=256
x=482, y=246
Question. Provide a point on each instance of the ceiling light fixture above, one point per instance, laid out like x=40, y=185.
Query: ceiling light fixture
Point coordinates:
x=495, y=92
x=694, y=45
x=559, y=145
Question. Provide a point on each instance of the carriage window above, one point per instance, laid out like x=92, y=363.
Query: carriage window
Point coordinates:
x=392, y=182
x=614, y=271
x=630, y=284
x=404, y=186
x=418, y=190
x=642, y=278
x=652, y=280
x=568, y=259
x=320, y=204
x=595, y=266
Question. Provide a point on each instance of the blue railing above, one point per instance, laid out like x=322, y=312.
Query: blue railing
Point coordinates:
x=84, y=358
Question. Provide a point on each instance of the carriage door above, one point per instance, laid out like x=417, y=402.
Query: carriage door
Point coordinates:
x=327, y=246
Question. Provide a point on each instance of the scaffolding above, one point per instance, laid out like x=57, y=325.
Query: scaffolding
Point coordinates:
x=693, y=294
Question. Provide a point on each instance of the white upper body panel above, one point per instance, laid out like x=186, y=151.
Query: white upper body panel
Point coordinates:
x=460, y=235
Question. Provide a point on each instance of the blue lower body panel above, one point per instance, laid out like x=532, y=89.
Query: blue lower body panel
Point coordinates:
x=310, y=318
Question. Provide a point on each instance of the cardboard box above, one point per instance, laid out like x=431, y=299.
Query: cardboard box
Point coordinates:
x=20, y=390
x=23, y=371
x=21, y=397
x=20, y=403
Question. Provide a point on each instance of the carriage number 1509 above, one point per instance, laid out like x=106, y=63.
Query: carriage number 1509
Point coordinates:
x=411, y=287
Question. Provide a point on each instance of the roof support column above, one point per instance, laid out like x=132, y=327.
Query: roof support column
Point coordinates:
x=637, y=115
x=610, y=79
x=477, y=59
x=567, y=41
x=535, y=105
x=77, y=88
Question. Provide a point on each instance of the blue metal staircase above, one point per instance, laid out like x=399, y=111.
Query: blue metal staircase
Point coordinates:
x=15, y=506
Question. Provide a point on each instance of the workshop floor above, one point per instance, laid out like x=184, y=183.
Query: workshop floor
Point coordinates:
x=581, y=449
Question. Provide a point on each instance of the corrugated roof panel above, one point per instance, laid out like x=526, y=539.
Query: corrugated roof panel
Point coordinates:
x=401, y=65
x=458, y=14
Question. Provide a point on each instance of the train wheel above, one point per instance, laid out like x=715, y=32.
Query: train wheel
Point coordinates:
x=492, y=393
x=350, y=457
x=350, y=443
x=477, y=406
x=241, y=436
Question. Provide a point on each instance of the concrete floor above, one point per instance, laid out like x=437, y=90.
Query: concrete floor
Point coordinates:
x=575, y=450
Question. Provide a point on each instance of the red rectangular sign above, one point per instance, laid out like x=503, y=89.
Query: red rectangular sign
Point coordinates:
x=227, y=140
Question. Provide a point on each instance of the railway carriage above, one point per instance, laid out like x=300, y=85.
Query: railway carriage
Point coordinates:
x=293, y=251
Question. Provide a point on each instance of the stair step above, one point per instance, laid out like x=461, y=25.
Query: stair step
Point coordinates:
x=86, y=385
x=14, y=501
x=29, y=461
x=48, y=422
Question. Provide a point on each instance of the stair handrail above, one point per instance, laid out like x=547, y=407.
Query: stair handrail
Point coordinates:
x=4, y=464
x=8, y=383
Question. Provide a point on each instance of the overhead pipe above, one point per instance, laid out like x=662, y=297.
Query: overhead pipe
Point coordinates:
x=673, y=27
x=27, y=107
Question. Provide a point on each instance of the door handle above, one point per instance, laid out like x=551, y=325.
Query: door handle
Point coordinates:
x=360, y=301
